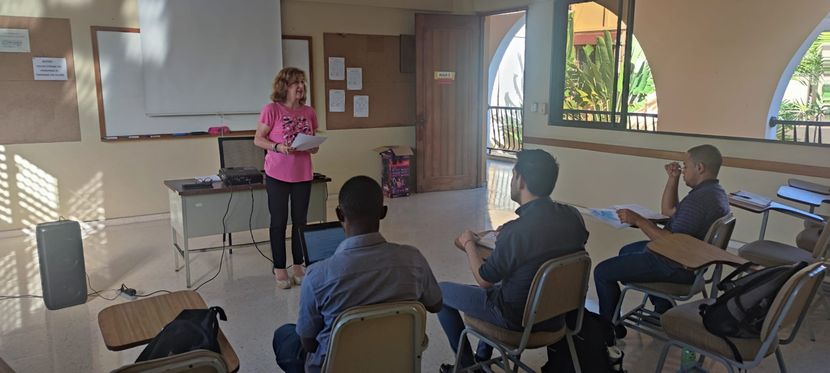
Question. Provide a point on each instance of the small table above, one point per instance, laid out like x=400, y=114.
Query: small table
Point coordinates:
x=135, y=323
x=200, y=212
x=806, y=197
x=743, y=203
x=694, y=254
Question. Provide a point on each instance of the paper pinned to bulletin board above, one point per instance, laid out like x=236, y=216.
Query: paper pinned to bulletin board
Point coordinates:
x=372, y=69
x=35, y=111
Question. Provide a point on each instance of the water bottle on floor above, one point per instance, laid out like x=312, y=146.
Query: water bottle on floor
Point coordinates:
x=688, y=361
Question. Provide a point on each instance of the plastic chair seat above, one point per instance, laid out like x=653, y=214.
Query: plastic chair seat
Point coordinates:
x=808, y=238
x=685, y=323
x=771, y=253
x=513, y=338
x=669, y=288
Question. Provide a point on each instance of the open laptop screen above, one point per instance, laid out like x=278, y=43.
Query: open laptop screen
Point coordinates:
x=319, y=241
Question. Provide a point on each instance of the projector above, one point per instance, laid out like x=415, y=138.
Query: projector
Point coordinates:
x=240, y=175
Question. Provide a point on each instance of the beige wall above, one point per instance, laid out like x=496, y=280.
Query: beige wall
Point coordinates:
x=91, y=180
x=495, y=28
x=713, y=67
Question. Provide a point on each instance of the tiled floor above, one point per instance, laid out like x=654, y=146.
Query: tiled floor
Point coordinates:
x=33, y=339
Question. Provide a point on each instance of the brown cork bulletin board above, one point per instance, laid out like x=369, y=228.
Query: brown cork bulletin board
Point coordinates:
x=37, y=111
x=391, y=92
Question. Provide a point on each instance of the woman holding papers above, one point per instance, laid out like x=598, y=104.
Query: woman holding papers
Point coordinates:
x=288, y=171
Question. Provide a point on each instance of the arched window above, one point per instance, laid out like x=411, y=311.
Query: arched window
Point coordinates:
x=803, y=110
x=605, y=80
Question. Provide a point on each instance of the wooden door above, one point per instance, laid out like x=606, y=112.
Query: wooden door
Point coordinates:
x=449, y=131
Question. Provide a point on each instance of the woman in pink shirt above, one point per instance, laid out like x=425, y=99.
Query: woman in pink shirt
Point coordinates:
x=287, y=171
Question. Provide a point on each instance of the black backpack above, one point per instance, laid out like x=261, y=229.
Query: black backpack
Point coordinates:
x=190, y=330
x=740, y=311
x=593, y=344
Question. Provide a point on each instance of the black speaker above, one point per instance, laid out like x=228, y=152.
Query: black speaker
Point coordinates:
x=62, y=271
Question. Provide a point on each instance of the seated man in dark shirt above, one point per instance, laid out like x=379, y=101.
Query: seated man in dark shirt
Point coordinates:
x=705, y=203
x=365, y=269
x=544, y=230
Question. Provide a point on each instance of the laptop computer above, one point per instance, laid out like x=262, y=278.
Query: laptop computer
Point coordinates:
x=320, y=241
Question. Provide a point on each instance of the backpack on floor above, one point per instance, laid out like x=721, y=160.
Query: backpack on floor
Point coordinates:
x=740, y=311
x=190, y=330
x=594, y=345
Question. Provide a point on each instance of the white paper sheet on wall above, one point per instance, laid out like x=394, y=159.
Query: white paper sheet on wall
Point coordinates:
x=337, y=101
x=354, y=78
x=361, y=106
x=337, y=68
x=49, y=68
x=14, y=40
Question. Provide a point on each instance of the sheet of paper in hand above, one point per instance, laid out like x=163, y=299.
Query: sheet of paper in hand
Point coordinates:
x=305, y=142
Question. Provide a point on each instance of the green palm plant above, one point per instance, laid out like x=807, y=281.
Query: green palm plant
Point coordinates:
x=589, y=83
x=810, y=72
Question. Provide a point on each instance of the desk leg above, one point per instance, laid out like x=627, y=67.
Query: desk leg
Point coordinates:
x=175, y=251
x=764, y=225
x=186, y=255
x=186, y=263
x=715, y=281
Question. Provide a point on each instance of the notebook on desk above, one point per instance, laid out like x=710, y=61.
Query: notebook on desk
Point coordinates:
x=749, y=198
x=320, y=241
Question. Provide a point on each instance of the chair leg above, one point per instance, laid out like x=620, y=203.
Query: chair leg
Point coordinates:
x=458, y=353
x=780, y=358
x=663, y=355
x=574, y=356
x=826, y=300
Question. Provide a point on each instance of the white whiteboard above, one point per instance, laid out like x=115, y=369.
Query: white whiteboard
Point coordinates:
x=118, y=53
x=208, y=56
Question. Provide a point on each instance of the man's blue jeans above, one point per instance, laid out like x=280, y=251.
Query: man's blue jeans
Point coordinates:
x=635, y=264
x=472, y=300
x=288, y=349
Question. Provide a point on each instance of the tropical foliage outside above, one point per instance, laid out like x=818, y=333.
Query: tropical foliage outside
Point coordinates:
x=812, y=73
x=589, y=81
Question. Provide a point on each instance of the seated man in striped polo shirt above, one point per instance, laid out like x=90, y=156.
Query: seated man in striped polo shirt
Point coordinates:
x=705, y=203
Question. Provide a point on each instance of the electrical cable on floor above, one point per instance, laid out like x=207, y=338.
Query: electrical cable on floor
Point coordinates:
x=24, y=296
x=96, y=293
x=224, y=231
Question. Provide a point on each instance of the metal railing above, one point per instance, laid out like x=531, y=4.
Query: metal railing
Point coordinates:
x=801, y=131
x=505, y=128
x=634, y=121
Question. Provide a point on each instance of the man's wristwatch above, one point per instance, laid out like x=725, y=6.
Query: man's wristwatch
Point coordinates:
x=276, y=146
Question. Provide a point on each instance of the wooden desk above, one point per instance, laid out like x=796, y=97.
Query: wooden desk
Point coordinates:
x=743, y=203
x=135, y=323
x=691, y=253
x=199, y=212
x=806, y=197
x=694, y=254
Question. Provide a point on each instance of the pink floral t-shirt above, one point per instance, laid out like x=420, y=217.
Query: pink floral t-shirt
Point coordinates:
x=285, y=124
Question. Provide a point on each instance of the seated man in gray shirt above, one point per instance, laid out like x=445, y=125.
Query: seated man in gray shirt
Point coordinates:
x=365, y=269
x=544, y=230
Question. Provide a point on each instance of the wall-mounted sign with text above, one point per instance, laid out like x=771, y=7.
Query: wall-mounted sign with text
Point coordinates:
x=444, y=77
x=49, y=68
x=14, y=40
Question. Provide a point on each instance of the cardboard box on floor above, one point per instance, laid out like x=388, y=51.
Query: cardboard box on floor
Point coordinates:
x=398, y=170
